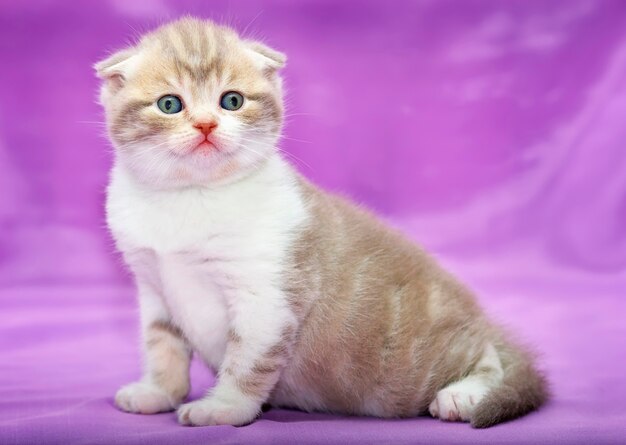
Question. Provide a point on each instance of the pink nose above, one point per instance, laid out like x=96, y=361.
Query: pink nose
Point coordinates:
x=205, y=127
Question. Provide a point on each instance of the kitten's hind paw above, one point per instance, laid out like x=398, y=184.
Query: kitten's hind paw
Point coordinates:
x=143, y=398
x=457, y=402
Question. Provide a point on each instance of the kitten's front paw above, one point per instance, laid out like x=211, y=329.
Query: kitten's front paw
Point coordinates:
x=211, y=411
x=143, y=398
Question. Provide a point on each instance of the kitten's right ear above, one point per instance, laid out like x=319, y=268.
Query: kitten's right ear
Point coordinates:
x=115, y=68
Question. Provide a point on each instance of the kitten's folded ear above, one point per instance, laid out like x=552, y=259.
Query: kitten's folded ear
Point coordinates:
x=269, y=59
x=114, y=69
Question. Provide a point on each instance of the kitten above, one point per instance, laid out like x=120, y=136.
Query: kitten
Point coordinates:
x=293, y=296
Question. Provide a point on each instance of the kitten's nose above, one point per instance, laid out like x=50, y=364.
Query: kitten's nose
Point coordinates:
x=205, y=127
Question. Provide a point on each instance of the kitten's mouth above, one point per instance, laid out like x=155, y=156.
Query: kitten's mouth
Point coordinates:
x=205, y=145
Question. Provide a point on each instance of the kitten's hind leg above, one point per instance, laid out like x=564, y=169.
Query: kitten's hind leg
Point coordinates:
x=456, y=402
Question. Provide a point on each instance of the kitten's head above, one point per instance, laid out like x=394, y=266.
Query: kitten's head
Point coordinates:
x=192, y=104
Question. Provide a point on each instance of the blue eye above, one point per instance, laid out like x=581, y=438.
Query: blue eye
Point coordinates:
x=231, y=101
x=170, y=104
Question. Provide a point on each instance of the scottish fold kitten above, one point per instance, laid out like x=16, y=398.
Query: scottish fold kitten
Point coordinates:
x=295, y=297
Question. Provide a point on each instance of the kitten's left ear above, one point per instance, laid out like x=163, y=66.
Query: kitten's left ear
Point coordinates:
x=267, y=58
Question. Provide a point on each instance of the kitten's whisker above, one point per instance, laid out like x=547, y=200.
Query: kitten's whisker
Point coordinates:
x=273, y=146
x=102, y=124
x=294, y=139
x=296, y=159
x=299, y=114
x=280, y=136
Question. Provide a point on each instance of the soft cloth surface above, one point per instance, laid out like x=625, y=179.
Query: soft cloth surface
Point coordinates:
x=491, y=132
x=67, y=348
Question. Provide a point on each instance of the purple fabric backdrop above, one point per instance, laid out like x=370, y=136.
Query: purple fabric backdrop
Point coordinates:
x=492, y=132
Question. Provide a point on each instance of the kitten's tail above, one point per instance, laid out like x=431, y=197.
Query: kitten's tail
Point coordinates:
x=523, y=389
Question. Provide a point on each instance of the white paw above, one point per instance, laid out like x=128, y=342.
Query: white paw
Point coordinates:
x=457, y=401
x=211, y=411
x=143, y=398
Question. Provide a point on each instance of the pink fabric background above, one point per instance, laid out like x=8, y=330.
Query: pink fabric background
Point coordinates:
x=492, y=132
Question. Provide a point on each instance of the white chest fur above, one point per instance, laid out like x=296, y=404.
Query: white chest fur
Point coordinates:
x=196, y=247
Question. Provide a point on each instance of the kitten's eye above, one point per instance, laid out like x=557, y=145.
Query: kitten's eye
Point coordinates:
x=170, y=104
x=231, y=101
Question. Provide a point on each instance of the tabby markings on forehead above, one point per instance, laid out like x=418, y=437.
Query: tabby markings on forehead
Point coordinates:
x=195, y=58
x=199, y=72
x=186, y=39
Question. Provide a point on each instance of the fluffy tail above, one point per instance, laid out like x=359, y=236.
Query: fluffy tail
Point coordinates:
x=523, y=389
